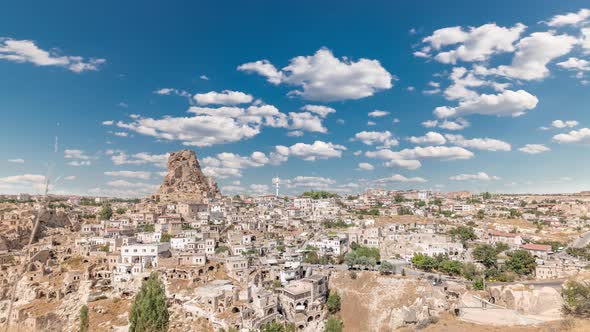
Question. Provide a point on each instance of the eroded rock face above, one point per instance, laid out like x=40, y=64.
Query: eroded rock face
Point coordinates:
x=185, y=181
x=528, y=299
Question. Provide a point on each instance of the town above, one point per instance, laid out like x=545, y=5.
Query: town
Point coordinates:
x=373, y=261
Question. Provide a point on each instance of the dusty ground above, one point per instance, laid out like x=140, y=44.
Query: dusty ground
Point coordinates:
x=109, y=312
x=449, y=323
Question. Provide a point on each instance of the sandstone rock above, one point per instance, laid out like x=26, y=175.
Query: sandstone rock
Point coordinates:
x=185, y=182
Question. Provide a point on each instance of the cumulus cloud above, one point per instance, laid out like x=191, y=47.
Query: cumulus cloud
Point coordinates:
x=121, y=158
x=378, y=113
x=532, y=56
x=171, y=91
x=320, y=110
x=431, y=137
x=506, y=103
x=581, y=136
x=480, y=176
x=569, y=18
x=76, y=154
x=534, y=148
x=473, y=43
x=564, y=124
x=226, y=97
x=576, y=64
x=310, y=182
x=228, y=164
x=384, y=138
x=324, y=77
x=259, y=188
x=309, y=152
x=410, y=158
x=16, y=160
x=129, y=174
x=488, y=144
x=365, y=167
x=22, y=51
x=22, y=183
x=401, y=178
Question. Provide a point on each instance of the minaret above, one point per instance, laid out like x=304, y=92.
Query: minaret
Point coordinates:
x=276, y=181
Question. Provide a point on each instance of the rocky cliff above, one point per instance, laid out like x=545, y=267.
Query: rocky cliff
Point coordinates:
x=185, y=182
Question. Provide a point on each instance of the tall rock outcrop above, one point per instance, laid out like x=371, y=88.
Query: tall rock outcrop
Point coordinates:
x=185, y=181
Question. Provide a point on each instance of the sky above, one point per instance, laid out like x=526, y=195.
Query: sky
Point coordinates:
x=325, y=95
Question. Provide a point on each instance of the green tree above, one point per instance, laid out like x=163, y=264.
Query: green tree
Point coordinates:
x=451, y=267
x=84, y=324
x=424, y=262
x=106, y=212
x=463, y=234
x=386, y=268
x=478, y=284
x=486, y=254
x=121, y=211
x=521, y=262
x=277, y=327
x=576, y=297
x=333, y=325
x=501, y=247
x=165, y=237
x=333, y=302
x=150, y=310
x=481, y=214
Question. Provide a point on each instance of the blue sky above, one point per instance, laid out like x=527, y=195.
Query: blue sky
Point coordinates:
x=262, y=88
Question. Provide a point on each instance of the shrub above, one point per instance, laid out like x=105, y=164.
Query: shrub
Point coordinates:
x=576, y=296
x=150, y=310
x=84, y=318
x=333, y=302
x=333, y=325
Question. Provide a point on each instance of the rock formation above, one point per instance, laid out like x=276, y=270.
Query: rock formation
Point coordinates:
x=185, y=181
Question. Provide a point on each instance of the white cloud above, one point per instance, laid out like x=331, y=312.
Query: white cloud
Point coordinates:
x=457, y=124
x=563, y=124
x=210, y=126
x=24, y=182
x=121, y=134
x=401, y=178
x=324, y=77
x=506, y=103
x=142, y=158
x=78, y=163
x=378, y=113
x=320, y=110
x=228, y=164
x=480, y=176
x=574, y=63
x=532, y=56
x=475, y=44
x=27, y=51
x=365, y=167
x=204, y=77
x=311, y=152
x=431, y=137
x=16, y=160
x=410, y=158
x=569, y=18
x=264, y=68
x=226, y=97
x=371, y=123
x=534, y=148
x=75, y=154
x=171, y=91
x=259, y=188
x=575, y=136
x=385, y=138
x=306, y=121
x=310, y=182
x=108, y=123
x=129, y=174
x=70, y=177
x=488, y=144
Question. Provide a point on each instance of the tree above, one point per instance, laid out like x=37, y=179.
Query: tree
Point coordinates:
x=150, y=310
x=84, y=319
x=486, y=254
x=451, y=267
x=121, y=211
x=478, y=284
x=333, y=302
x=106, y=212
x=165, y=237
x=333, y=325
x=386, y=268
x=576, y=297
x=501, y=246
x=481, y=214
x=277, y=327
x=463, y=233
x=521, y=262
x=423, y=262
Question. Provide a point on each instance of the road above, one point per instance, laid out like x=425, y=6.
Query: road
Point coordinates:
x=582, y=241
